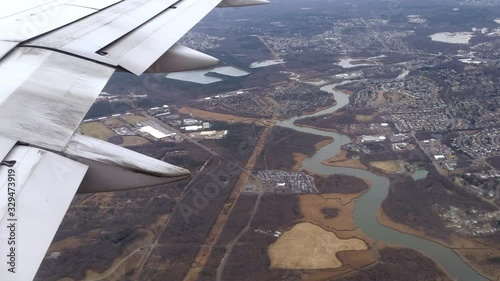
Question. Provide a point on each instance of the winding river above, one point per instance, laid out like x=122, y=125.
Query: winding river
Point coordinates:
x=367, y=205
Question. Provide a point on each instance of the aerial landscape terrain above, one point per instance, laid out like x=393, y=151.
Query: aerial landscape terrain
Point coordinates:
x=338, y=140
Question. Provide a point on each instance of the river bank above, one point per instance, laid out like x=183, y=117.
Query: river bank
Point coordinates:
x=364, y=215
x=458, y=244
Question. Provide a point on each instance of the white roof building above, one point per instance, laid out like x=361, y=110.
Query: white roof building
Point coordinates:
x=155, y=133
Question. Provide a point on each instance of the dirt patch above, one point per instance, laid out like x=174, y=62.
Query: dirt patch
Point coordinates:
x=386, y=166
x=364, y=118
x=97, y=130
x=134, y=141
x=380, y=96
x=307, y=246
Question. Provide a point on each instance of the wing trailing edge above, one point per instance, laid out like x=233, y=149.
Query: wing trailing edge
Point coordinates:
x=35, y=194
x=241, y=3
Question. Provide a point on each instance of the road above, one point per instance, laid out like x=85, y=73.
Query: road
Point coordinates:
x=206, y=249
x=112, y=270
x=230, y=245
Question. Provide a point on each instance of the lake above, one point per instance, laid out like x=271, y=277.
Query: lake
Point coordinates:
x=200, y=77
x=452, y=37
x=420, y=174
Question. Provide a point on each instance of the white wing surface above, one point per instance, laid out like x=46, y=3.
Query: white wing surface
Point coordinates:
x=55, y=58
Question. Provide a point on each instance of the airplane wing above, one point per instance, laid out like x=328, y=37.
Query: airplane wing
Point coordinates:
x=55, y=58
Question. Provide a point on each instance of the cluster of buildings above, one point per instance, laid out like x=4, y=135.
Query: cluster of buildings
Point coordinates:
x=208, y=135
x=278, y=181
x=150, y=124
x=200, y=41
x=192, y=125
x=271, y=233
x=411, y=103
x=421, y=121
x=366, y=139
x=485, y=143
x=155, y=130
x=248, y=104
x=341, y=39
x=399, y=142
x=480, y=3
x=440, y=153
x=288, y=100
x=471, y=221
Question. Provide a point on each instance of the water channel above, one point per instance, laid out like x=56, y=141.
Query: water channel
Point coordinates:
x=368, y=205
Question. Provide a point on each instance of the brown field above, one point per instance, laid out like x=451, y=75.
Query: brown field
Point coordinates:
x=113, y=123
x=134, y=141
x=68, y=243
x=97, y=130
x=341, y=160
x=380, y=96
x=312, y=204
x=307, y=246
x=133, y=119
x=364, y=118
x=216, y=116
x=386, y=166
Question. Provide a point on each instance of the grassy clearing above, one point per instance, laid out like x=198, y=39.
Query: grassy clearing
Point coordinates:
x=97, y=130
x=307, y=246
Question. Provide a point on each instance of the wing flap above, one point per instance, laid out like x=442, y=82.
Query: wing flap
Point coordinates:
x=138, y=50
x=6, y=145
x=45, y=95
x=115, y=28
x=43, y=187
